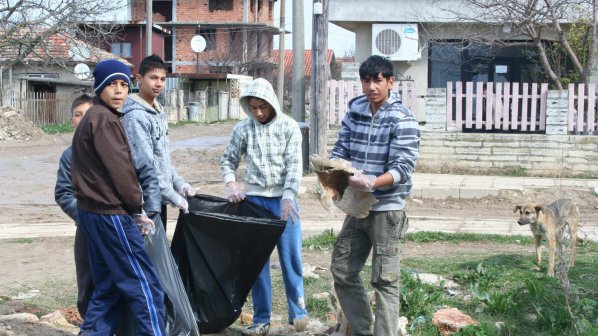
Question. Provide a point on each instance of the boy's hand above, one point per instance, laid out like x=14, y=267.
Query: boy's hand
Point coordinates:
x=233, y=193
x=183, y=205
x=187, y=190
x=145, y=225
x=362, y=182
x=288, y=211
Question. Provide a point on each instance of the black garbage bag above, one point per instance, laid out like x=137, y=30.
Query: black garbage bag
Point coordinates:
x=220, y=249
x=179, y=319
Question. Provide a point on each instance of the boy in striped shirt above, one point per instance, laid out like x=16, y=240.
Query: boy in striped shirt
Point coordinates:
x=379, y=137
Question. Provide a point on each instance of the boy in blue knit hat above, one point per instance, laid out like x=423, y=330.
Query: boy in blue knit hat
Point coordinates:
x=109, y=209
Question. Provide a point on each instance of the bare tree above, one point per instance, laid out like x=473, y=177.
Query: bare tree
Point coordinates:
x=532, y=23
x=226, y=55
x=29, y=30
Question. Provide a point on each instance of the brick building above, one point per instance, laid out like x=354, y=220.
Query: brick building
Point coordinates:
x=238, y=34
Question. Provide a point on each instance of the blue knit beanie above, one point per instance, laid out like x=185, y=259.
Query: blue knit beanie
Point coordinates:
x=107, y=72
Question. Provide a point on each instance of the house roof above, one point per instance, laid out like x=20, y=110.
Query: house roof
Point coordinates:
x=70, y=50
x=288, y=60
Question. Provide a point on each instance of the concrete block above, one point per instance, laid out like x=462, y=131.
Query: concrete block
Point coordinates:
x=467, y=192
x=437, y=192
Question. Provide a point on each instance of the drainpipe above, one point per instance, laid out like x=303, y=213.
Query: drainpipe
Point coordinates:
x=245, y=20
x=148, y=27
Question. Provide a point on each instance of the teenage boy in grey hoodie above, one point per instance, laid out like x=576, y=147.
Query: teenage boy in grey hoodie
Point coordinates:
x=146, y=125
x=380, y=137
x=271, y=144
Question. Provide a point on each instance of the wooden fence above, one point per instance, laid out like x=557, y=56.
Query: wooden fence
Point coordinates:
x=582, y=109
x=42, y=107
x=340, y=92
x=496, y=107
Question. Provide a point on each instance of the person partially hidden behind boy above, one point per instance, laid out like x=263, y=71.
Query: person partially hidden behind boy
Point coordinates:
x=146, y=125
x=64, y=195
x=109, y=210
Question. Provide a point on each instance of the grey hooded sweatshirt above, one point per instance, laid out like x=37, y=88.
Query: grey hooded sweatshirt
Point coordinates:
x=272, y=151
x=147, y=131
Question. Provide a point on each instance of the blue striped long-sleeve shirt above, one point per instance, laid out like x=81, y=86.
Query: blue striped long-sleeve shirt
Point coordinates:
x=385, y=142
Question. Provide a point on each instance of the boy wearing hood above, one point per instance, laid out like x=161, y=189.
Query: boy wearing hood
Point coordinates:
x=271, y=144
x=380, y=137
x=109, y=210
x=146, y=125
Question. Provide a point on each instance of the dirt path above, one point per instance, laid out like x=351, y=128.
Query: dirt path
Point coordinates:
x=28, y=173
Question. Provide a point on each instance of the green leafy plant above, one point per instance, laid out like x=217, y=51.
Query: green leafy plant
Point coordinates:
x=417, y=297
x=324, y=240
x=57, y=128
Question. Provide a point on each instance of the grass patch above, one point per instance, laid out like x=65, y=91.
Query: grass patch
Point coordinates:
x=514, y=171
x=21, y=241
x=324, y=240
x=57, y=128
x=445, y=237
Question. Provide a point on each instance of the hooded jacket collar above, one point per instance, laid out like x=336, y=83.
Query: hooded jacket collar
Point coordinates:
x=134, y=101
x=262, y=89
x=361, y=104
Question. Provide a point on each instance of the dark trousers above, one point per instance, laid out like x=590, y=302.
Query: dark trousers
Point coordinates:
x=120, y=268
x=163, y=216
x=84, y=281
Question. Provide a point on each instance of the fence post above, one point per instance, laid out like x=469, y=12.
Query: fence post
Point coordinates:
x=436, y=111
x=556, y=112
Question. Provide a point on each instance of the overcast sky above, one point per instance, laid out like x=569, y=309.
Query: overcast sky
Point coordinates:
x=340, y=40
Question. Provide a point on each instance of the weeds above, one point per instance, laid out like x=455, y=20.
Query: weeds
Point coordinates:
x=57, y=128
x=325, y=240
x=22, y=241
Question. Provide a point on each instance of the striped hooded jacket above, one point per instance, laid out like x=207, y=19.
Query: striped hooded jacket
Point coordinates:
x=386, y=142
x=272, y=151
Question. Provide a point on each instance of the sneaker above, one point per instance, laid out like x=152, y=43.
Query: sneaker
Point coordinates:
x=300, y=324
x=257, y=329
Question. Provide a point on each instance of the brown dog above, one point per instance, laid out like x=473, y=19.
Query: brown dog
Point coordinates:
x=545, y=222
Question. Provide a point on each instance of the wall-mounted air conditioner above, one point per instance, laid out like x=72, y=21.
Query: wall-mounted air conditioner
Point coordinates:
x=397, y=41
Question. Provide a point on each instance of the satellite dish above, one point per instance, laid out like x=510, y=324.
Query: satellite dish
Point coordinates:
x=82, y=71
x=198, y=43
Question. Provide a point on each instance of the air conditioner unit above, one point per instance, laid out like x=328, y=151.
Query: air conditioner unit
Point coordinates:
x=397, y=41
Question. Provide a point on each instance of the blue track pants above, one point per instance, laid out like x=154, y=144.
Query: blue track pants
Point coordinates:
x=289, y=253
x=120, y=267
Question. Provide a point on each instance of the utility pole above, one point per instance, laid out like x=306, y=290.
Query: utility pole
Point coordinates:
x=280, y=86
x=148, y=27
x=298, y=77
x=319, y=76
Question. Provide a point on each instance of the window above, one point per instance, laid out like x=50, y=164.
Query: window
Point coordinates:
x=210, y=36
x=122, y=49
x=444, y=63
x=215, y=5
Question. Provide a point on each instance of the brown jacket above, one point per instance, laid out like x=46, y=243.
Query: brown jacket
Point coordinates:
x=102, y=167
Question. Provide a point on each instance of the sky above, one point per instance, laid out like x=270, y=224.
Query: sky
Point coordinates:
x=340, y=40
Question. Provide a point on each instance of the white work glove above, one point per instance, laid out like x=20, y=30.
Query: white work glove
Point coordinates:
x=233, y=193
x=183, y=204
x=145, y=225
x=288, y=211
x=187, y=190
x=362, y=182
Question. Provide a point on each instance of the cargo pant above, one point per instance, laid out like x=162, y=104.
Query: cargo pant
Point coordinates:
x=380, y=231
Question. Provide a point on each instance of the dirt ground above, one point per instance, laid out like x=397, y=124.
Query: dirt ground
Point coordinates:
x=28, y=173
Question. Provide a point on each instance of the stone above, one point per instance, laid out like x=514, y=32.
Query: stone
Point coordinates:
x=55, y=318
x=450, y=320
x=21, y=317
